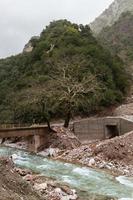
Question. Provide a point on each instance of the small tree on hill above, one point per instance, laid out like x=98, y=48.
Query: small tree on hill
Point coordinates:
x=34, y=106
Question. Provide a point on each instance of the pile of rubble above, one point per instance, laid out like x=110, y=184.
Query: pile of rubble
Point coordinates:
x=115, y=155
x=63, y=139
x=117, y=149
x=126, y=109
x=51, y=192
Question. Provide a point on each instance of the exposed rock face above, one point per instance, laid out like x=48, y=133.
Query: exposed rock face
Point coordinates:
x=28, y=47
x=118, y=38
x=111, y=15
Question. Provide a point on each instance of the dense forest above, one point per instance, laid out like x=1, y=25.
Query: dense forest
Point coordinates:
x=67, y=73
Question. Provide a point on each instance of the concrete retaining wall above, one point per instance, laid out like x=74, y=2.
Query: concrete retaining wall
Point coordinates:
x=89, y=129
x=126, y=126
x=99, y=128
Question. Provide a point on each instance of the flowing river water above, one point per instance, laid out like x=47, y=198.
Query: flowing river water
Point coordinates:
x=85, y=180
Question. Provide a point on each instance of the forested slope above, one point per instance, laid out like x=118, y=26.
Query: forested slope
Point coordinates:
x=67, y=73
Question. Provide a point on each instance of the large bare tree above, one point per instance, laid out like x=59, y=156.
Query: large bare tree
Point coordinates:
x=74, y=87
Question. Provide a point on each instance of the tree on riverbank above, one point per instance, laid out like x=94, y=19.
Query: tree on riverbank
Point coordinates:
x=75, y=88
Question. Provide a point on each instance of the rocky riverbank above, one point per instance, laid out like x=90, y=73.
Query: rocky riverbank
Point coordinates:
x=48, y=189
x=20, y=181
x=114, y=155
x=17, y=184
x=12, y=186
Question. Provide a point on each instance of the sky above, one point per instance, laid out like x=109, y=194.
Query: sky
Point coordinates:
x=22, y=19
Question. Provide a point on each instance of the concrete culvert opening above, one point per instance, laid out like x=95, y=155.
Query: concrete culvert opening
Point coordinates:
x=111, y=131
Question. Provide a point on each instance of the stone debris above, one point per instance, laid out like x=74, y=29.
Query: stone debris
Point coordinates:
x=63, y=139
x=28, y=177
x=125, y=109
x=91, y=162
x=22, y=172
x=115, y=155
x=40, y=187
x=51, y=190
x=61, y=195
x=117, y=149
x=22, y=184
x=49, y=152
x=12, y=186
x=46, y=188
x=21, y=144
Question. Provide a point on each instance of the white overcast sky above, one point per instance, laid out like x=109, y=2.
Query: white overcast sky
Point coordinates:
x=22, y=19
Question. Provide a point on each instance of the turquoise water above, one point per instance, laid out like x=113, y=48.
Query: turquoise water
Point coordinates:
x=86, y=181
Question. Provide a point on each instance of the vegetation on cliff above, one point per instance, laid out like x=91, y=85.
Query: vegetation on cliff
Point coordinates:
x=111, y=15
x=68, y=72
x=119, y=38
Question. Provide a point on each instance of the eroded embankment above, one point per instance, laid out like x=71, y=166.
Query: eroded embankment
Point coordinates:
x=12, y=186
x=23, y=184
x=115, y=155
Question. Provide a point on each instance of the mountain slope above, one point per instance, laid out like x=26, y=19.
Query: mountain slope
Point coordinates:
x=53, y=78
x=119, y=38
x=111, y=15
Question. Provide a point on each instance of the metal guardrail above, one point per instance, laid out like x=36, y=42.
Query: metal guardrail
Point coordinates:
x=4, y=126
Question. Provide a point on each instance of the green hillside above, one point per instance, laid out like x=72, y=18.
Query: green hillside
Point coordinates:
x=67, y=73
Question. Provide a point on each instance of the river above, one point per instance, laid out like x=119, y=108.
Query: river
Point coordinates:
x=85, y=180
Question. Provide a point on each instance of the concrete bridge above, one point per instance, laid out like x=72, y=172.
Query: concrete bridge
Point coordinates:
x=85, y=130
x=37, y=136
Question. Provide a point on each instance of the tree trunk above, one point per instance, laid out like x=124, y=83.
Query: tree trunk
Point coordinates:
x=67, y=119
x=3, y=140
x=48, y=124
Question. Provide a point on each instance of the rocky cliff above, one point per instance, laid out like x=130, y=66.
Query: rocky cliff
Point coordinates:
x=118, y=38
x=29, y=46
x=111, y=15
